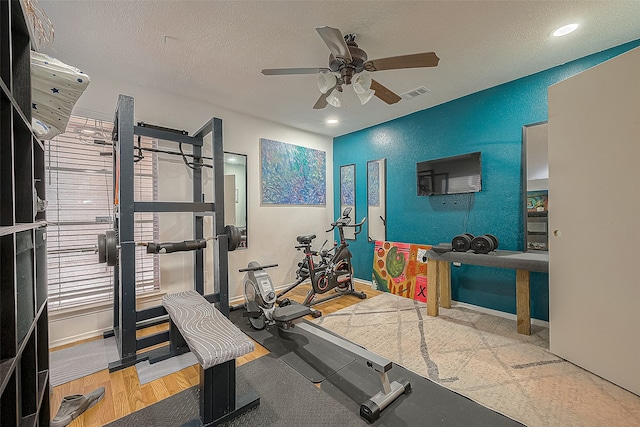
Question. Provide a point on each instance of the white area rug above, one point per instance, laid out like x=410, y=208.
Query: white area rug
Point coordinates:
x=81, y=360
x=148, y=372
x=484, y=358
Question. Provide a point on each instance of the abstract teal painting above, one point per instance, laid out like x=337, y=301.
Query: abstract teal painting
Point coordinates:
x=291, y=174
x=348, y=185
x=373, y=183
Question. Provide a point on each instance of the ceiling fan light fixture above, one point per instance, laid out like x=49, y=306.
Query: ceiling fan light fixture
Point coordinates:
x=362, y=83
x=326, y=81
x=334, y=99
x=366, y=96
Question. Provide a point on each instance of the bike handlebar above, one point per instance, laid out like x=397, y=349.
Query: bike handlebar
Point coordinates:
x=359, y=225
x=341, y=224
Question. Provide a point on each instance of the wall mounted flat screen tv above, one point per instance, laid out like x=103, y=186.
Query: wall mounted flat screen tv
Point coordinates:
x=450, y=175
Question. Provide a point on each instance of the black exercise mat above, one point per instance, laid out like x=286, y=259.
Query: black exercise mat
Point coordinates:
x=427, y=403
x=312, y=357
x=286, y=399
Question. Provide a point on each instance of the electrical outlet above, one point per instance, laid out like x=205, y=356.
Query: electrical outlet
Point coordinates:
x=456, y=264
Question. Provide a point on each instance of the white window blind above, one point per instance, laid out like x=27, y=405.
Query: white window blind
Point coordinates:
x=79, y=190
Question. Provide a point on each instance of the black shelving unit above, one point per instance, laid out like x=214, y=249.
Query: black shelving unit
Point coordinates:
x=24, y=353
x=537, y=230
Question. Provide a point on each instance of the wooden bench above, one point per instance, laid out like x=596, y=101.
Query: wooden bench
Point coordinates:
x=216, y=342
x=439, y=277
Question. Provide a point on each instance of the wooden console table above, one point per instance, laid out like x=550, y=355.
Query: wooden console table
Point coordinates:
x=439, y=274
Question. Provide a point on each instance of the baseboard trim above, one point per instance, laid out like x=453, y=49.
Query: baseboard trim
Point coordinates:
x=485, y=310
x=365, y=282
x=77, y=339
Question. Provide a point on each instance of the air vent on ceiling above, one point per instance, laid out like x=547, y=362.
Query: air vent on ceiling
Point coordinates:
x=415, y=92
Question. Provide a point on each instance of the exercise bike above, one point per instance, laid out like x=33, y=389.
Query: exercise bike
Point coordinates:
x=333, y=271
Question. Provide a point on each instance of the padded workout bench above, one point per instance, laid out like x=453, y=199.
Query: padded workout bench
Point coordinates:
x=216, y=342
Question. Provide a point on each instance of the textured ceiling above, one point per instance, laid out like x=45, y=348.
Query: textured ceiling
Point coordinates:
x=213, y=51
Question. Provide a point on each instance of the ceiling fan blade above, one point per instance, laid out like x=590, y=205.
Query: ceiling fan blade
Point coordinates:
x=288, y=71
x=384, y=94
x=417, y=60
x=334, y=40
x=322, y=101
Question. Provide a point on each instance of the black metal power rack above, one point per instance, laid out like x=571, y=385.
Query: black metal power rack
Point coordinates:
x=126, y=318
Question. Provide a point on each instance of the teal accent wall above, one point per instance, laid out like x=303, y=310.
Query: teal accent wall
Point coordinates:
x=489, y=121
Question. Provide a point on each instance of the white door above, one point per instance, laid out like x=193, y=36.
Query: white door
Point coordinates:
x=594, y=214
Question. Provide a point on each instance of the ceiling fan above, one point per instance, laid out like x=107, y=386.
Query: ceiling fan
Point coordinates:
x=349, y=61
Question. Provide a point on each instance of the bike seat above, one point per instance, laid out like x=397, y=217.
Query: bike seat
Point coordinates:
x=305, y=240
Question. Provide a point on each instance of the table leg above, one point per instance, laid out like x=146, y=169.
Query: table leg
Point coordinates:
x=444, y=283
x=523, y=305
x=432, y=287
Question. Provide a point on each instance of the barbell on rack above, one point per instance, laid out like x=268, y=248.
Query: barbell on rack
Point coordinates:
x=108, y=245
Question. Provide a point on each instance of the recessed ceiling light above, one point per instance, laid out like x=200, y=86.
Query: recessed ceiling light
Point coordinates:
x=332, y=121
x=563, y=31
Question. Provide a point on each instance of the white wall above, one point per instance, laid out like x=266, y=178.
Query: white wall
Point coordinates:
x=271, y=230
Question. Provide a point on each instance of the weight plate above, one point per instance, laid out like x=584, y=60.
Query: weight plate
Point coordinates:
x=102, y=248
x=482, y=245
x=234, y=236
x=111, y=242
x=494, y=239
x=461, y=243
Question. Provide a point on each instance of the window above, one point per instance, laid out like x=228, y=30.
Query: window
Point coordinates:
x=79, y=189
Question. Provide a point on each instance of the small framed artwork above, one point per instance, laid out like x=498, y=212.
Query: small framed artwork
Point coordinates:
x=348, y=195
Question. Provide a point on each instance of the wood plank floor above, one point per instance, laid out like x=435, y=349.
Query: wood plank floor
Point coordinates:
x=124, y=394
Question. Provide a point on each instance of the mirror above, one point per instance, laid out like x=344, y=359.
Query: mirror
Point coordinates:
x=376, y=199
x=348, y=196
x=535, y=171
x=235, y=193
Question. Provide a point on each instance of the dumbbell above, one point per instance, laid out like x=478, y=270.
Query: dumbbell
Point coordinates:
x=484, y=244
x=462, y=242
x=480, y=245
